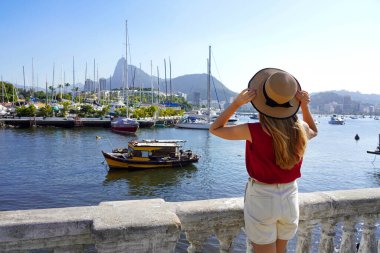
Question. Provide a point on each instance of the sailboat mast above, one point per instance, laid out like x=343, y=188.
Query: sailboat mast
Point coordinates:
x=37, y=83
x=126, y=63
x=166, y=83
x=158, y=86
x=2, y=87
x=46, y=90
x=62, y=84
x=97, y=79
x=73, y=79
x=151, y=79
x=141, y=87
x=23, y=73
x=32, y=78
x=209, y=83
x=52, y=84
x=94, y=83
x=170, y=81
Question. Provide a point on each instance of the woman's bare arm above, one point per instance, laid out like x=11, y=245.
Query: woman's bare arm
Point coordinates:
x=238, y=132
x=304, y=99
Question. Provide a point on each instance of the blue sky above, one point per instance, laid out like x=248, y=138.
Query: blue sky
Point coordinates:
x=325, y=44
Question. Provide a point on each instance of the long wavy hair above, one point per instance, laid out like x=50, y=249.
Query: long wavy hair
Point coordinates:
x=289, y=139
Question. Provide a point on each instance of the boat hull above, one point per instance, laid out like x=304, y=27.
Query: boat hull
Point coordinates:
x=115, y=163
x=374, y=152
x=332, y=122
x=201, y=126
x=124, y=129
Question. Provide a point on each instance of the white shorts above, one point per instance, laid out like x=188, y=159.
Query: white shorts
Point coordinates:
x=271, y=211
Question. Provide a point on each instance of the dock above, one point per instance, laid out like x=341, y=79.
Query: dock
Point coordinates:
x=25, y=122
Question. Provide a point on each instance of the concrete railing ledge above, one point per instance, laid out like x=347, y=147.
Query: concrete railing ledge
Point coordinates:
x=154, y=225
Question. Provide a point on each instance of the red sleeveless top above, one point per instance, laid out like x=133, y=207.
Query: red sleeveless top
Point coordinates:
x=261, y=162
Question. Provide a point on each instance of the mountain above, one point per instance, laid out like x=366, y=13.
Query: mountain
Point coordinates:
x=186, y=84
x=363, y=98
x=337, y=96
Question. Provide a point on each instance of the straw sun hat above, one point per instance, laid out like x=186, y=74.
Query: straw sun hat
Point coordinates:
x=276, y=90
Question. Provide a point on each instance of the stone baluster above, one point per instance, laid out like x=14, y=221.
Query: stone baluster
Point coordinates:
x=304, y=237
x=348, y=237
x=226, y=235
x=368, y=241
x=140, y=226
x=327, y=236
x=196, y=238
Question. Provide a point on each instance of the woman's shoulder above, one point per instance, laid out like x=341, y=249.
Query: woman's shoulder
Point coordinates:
x=255, y=129
x=307, y=128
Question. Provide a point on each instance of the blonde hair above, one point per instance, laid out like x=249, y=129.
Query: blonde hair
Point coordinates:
x=289, y=139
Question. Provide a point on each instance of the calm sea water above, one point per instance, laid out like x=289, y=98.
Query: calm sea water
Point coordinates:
x=53, y=167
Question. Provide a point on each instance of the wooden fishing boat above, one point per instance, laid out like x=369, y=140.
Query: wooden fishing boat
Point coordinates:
x=150, y=154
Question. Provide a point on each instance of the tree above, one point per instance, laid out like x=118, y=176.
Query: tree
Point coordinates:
x=86, y=111
x=66, y=86
x=46, y=111
x=7, y=88
x=76, y=89
x=65, y=109
x=60, y=90
x=52, y=89
x=26, y=111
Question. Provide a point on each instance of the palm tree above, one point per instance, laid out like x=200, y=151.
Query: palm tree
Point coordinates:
x=51, y=88
x=60, y=90
x=66, y=86
x=76, y=89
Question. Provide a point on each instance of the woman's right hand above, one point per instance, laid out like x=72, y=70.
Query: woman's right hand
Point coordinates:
x=303, y=97
x=244, y=97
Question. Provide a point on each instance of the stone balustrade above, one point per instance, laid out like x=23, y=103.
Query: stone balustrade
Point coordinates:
x=155, y=225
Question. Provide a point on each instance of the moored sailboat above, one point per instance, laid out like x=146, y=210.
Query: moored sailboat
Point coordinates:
x=199, y=123
x=125, y=125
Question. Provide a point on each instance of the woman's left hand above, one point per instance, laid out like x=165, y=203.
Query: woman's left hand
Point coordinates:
x=245, y=96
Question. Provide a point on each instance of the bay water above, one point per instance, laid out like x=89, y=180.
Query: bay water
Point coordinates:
x=54, y=167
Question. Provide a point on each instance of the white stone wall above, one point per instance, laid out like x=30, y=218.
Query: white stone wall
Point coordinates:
x=155, y=225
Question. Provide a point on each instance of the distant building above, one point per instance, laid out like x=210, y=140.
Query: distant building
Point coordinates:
x=328, y=108
x=347, y=103
x=196, y=98
x=88, y=85
x=371, y=109
x=103, y=84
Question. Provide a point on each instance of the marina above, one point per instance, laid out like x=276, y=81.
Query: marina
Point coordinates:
x=26, y=122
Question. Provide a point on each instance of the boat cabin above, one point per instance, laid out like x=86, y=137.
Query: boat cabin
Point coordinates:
x=153, y=150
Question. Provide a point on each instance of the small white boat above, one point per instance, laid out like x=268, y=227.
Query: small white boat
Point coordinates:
x=193, y=123
x=336, y=120
x=254, y=116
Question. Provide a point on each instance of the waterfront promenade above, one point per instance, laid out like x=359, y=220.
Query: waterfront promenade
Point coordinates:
x=154, y=225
